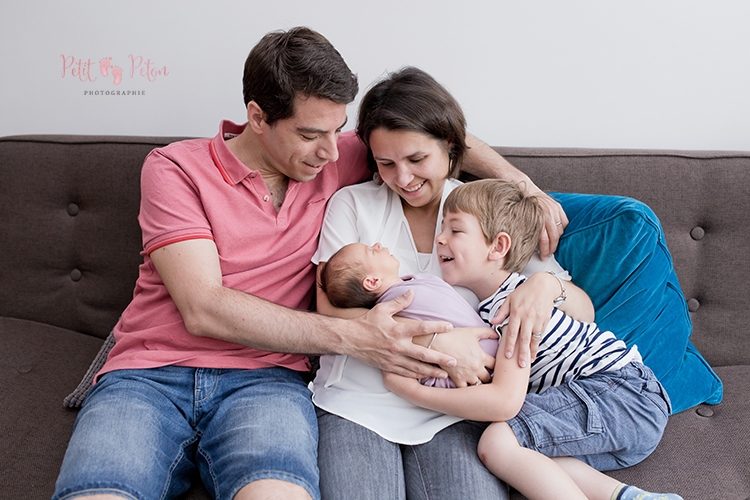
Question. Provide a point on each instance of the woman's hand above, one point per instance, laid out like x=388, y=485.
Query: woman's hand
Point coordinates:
x=473, y=363
x=377, y=339
x=528, y=310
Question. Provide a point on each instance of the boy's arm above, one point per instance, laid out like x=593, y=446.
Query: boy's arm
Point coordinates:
x=497, y=401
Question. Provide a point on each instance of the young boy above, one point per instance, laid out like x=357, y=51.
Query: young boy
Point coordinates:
x=590, y=396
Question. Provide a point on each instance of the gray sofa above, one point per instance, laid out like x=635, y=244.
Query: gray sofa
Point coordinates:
x=70, y=243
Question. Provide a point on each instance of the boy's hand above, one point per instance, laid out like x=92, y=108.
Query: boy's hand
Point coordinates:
x=380, y=341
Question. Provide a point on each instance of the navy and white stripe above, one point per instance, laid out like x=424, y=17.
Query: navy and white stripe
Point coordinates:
x=569, y=349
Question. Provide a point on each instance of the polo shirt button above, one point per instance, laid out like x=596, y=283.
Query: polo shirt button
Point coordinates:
x=265, y=198
x=252, y=176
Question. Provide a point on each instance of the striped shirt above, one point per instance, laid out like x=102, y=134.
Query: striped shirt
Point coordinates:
x=569, y=349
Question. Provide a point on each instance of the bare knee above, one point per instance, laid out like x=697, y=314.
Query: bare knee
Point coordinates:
x=496, y=441
x=272, y=489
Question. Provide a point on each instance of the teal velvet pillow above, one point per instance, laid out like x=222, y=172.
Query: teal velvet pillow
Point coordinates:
x=614, y=248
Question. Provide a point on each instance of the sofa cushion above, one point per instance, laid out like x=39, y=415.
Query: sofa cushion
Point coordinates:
x=614, y=248
x=38, y=365
x=75, y=399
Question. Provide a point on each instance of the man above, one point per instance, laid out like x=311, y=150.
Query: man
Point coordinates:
x=206, y=372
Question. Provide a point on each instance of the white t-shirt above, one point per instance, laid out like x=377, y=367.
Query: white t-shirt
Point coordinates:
x=370, y=213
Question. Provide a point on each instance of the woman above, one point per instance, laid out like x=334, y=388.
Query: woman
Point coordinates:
x=374, y=444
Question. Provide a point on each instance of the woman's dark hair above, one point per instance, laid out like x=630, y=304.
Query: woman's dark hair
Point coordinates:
x=410, y=99
x=296, y=62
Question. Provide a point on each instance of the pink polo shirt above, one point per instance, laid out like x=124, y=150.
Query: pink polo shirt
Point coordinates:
x=199, y=189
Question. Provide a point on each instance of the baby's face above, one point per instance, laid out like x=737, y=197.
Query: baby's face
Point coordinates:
x=375, y=259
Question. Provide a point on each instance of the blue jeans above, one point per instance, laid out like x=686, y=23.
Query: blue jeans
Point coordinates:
x=610, y=420
x=143, y=434
x=357, y=463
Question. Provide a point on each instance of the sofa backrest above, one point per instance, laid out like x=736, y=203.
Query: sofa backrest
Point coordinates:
x=703, y=202
x=70, y=241
x=69, y=234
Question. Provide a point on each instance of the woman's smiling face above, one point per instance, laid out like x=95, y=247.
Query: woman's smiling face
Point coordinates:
x=413, y=164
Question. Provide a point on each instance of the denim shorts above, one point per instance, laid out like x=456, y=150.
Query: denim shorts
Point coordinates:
x=144, y=434
x=610, y=420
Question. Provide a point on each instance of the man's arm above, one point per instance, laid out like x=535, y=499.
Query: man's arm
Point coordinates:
x=484, y=162
x=192, y=274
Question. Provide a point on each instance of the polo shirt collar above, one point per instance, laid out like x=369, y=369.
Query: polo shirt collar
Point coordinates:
x=232, y=169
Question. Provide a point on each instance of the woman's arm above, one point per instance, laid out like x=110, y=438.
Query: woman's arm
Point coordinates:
x=494, y=402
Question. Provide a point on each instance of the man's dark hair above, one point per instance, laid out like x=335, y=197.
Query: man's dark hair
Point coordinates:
x=410, y=99
x=285, y=64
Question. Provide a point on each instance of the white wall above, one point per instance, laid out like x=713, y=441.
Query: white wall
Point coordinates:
x=672, y=74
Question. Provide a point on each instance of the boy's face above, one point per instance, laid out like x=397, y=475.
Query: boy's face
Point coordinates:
x=463, y=252
x=376, y=259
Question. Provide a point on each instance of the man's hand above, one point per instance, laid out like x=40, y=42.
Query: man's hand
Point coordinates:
x=485, y=163
x=555, y=222
x=380, y=341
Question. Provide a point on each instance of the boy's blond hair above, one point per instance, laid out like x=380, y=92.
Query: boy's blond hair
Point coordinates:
x=501, y=206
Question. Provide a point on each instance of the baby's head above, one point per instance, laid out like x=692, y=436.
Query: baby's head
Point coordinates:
x=357, y=275
x=500, y=207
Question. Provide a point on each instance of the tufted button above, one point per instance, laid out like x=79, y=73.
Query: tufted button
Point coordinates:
x=24, y=369
x=697, y=233
x=704, y=411
x=693, y=305
x=76, y=275
x=73, y=209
